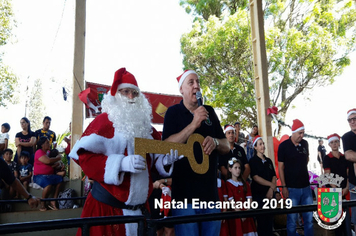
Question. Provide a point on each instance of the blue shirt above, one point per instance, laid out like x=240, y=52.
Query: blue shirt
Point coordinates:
x=25, y=170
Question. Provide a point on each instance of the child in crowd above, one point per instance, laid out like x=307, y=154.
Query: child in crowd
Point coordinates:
x=336, y=163
x=263, y=184
x=13, y=166
x=58, y=167
x=224, y=229
x=25, y=169
x=4, y=137
x=239, y=191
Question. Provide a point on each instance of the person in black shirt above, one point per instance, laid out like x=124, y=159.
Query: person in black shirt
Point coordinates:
x=240, y=137
x=263, y=184
x=349, y=144
x=46, y=132
x=321, y=154
x=336, y=163
x=7, y=176
x=180, y=121
x=293, y=158
x=25, y=140
x=235, y=151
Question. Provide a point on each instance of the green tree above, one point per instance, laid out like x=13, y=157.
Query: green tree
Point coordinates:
x=8, y=80
x=307, y=42
x=36, y=107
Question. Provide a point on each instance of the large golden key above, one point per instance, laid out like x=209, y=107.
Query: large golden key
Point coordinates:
x=143, y=146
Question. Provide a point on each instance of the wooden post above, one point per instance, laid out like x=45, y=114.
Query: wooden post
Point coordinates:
x=78, y=82
x=261, y=75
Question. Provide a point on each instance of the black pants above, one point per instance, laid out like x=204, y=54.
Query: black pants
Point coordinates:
x=264, y=222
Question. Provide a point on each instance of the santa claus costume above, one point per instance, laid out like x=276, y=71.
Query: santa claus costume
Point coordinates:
x=105, y=152
x=239, y=227
x=224, y=229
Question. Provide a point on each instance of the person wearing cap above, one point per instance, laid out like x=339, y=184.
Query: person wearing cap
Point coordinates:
x=240, y=137
x=182, y=120
x=336, y=163
x=349, y=145
x=293, y=158
x=263, y=184
x=105, y=152
x=235, y=151
x=4, y=137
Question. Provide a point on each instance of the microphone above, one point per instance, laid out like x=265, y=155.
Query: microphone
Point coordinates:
x=199, y=98
x=200, y=103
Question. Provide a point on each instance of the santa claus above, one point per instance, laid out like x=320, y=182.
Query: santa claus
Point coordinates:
x=105, y=152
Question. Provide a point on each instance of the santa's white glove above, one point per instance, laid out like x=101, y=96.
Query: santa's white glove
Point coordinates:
x=133, y=164
x=169, y=159
x=166, y=191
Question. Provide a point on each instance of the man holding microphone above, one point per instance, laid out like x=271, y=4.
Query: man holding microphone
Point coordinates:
x=182, y=120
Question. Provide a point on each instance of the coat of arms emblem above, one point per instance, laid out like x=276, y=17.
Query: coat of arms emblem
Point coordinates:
x=329, y=202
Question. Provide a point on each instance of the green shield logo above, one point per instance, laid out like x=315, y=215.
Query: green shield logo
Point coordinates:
x=329, y=204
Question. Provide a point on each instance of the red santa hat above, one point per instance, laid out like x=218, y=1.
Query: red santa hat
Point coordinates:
x=297, y=126
x=257, y=137
x=182, y=77
x=227, y=128
x=350, y=112
x=333, y=137
x=123, y=79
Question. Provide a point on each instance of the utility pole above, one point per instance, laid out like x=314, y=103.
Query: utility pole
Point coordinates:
x=78, y=81
x=261, y=75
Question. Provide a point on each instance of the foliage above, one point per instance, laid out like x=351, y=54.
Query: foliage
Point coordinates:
x=209, y=8
x=59, y=140
x=36, y=107
x=8, y=81
x=7, y=21
x=307, y=44
x=60, y=137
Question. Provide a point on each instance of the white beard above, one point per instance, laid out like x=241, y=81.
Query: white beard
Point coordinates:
x=132, y=117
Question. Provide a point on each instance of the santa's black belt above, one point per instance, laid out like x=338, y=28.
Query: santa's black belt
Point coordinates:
x=102, y=195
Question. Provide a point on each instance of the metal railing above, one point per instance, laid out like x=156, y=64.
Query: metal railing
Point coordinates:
x=84, y=223
x=148, y=226
x=42, y=200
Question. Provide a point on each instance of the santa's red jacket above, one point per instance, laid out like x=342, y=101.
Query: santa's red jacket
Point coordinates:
x=99, y=152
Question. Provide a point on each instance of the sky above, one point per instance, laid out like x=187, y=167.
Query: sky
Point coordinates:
x=143, y=36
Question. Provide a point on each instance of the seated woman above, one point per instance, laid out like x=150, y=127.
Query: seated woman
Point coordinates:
x=44, y=173
x=25, y=140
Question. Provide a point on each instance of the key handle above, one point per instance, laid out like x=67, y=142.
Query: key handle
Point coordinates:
x=143, y=146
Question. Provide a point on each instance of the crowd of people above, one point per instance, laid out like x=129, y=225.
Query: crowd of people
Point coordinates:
x=238, y=170
x=293, y=158
x=122, y=182
x=35, y=162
